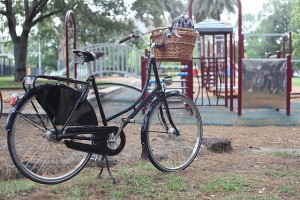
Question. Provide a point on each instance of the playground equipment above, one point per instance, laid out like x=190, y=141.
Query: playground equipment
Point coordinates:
x=266, y=83
x=240, y=63
x=213, y=60
x=70, y=28
x=181, y=73
x=241, y=72
x=120, y=59
x=177, y=72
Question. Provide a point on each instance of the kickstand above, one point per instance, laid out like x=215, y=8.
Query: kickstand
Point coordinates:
x=107, y=166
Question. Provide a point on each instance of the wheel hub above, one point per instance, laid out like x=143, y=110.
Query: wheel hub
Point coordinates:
x=173, y=133
x=49, y=135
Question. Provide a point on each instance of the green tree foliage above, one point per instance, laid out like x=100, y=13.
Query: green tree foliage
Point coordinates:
x=101, y=21
x=295, y=27
x=25, y=14
x=96, y=20
x=153, y=13
x=204, y=9
x=274, y=18
x=295, y=15
x=45, y=36
x=249, y=22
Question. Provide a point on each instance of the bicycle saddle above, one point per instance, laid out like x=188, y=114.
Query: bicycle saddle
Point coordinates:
x=86, y=56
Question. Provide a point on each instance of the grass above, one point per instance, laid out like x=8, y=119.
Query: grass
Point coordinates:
x=8, y=82
x=226, y=184
x=12, y=188
x=283, y=174
x=296, y=81
x=141, y=180
x=285, y=154
x=288, y=190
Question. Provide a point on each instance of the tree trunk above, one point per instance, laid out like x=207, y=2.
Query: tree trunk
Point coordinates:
x=20, y=53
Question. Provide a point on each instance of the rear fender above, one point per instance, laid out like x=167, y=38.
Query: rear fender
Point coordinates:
x=14, y=110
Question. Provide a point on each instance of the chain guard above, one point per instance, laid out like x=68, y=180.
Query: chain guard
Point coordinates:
x=101, y=144
x=110, y=148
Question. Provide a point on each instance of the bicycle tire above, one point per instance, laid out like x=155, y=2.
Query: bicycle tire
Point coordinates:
x=1, y=104
x=40, y=159
x=167, y=151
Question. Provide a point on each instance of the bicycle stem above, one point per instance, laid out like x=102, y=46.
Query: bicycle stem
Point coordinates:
x=166, y=34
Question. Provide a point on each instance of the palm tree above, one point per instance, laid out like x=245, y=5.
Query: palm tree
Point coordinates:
x=203, y=9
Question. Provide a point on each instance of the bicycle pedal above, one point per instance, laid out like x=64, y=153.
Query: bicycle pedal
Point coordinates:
x=128, y=120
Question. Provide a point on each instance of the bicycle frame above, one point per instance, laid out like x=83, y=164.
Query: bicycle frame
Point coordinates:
x=158, y=91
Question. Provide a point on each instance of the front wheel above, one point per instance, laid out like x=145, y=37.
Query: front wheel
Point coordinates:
x=33, y=148
x=173, y=143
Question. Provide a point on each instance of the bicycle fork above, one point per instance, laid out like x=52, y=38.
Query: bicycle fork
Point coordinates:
x=165, y=117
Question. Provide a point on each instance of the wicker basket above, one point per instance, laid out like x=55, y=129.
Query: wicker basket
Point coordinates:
x=175, y=48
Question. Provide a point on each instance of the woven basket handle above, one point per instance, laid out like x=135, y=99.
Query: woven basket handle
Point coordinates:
x=163, y=28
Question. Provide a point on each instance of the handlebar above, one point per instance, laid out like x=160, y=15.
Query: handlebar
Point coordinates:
x=128, y=37
x=167, y=33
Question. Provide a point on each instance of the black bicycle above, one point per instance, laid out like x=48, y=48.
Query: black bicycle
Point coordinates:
x=53, y=129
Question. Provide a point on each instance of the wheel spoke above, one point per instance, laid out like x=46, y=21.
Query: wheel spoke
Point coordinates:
x=34, y=153
x=34, y=123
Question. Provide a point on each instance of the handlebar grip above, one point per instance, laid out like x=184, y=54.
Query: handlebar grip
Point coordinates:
x=128, y=37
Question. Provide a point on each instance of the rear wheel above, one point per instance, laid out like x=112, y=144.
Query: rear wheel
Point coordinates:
x=173, y=148
x=33, y=149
